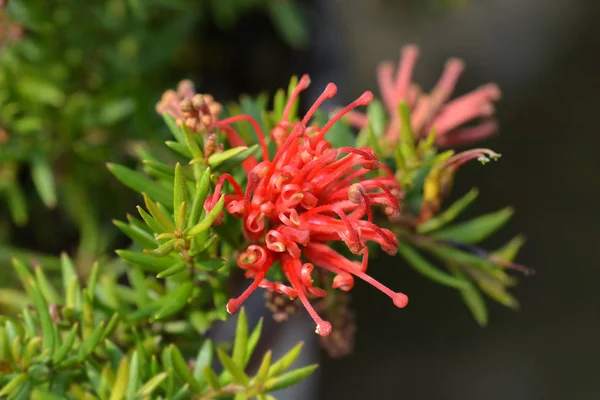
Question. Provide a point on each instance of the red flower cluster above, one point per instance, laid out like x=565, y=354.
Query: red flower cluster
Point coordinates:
x=308, y=195
x=432, y=110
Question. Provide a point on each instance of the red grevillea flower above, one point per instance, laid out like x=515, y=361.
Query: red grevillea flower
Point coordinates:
x=432, y=110
x=308, y=195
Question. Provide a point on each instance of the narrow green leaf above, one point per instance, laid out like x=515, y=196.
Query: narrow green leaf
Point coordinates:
x=191, y=142
x=377, y=118
x=424, y=267
x=24, y=273
x=48, y=339
x=159, y=167
x=476, y=229
x=151, y=222
x=182, y=393
x=17, y=204
x=278, y=105
x=151, y=385
x=208, y=220
x=119, y=388
x=30, y=328
x=182, y=370
x=68, y=271
x=146, y=261
x=289, y=379
x=138, y=283
x=460, y=257
x=112, y=324
x=253, y=340
x=93, y=280
x=407, y=136
x=160, y=217
x=140, y=183
x=200, y=247
x=134, y=376
x=90, y=342
x=199, y=198
x=374, y=143
x=293, y=112
x=31, y=350
x=236, y=160
x=66, y=346
x=175, y=301
x=46, y=287
x=241, y=339
x=509, y=251
x=286, y=361
x=179, y=192
x=217, y=159
x=5, y=347
x=203, y=359
x=139, y=236
x=212, y=264
x=211, y=378
x=175, y=269
x=175, y=130
x=73, y=294
x=234, y=369
x=43, y=179
x=497, y=291
x=179, y=148
x=450, y=213
x=263, y=370
x=154, y=367
x=473, y=300
x=13, y=385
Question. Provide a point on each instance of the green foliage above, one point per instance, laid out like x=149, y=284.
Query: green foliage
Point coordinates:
x=91, y=341
x=74, y=94
x=427, y=176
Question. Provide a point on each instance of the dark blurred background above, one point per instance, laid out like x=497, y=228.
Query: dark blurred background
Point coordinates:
x=545, y=56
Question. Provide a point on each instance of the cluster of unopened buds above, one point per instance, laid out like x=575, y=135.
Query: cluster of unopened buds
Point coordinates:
x=433, y=110
x=197, y=111
x=307, y=196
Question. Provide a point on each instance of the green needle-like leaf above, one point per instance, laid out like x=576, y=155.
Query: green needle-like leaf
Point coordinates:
x=140, y=183
x=291, y=378
x=476, y=229
x=208, y=220
x=175, y=301
x=241, y=339
x=286, y=361
x=234, y=369
x=449, y=214
x=421, y=265
x=182, y=369
x=151, y=385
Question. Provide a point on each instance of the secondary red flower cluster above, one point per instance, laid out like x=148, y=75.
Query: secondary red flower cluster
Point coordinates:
x=432, y=110
x=308, y=195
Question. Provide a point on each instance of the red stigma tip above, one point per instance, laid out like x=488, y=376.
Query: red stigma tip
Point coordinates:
x=304, y=81
x=330, y=90
x=400, y=300
x=232, y=306
x=365, y=98
x=323, y=328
